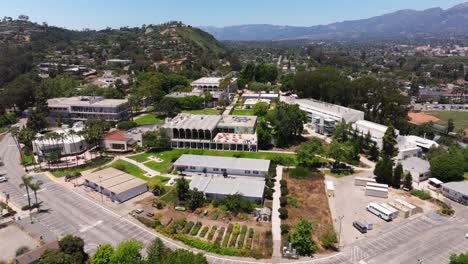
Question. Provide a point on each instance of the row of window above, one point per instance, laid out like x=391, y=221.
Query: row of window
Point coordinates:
x=224, y=170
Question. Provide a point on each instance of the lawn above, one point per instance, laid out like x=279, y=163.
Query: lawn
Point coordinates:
x=170, y=156
x=243, y=112
x=343, y=174
x=206, y=111
x=137, y=172
x=466, y=175
x=95, y=163
x=460, y=118
x=148, y=119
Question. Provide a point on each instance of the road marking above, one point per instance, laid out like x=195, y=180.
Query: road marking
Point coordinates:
x=86, y=228
x=41, y=190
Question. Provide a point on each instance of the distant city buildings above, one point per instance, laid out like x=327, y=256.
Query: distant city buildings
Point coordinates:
x=87, y=107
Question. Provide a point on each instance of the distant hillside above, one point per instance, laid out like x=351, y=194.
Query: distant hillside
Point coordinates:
x=403, y=23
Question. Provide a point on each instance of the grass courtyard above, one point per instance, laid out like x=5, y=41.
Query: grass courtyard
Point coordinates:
x=136, y=171
x=169, y=156
x=95, y=163
x=243, y=112
x=460, y=118
x=148, y=119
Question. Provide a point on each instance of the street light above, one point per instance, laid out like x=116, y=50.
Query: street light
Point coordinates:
x=339, y=236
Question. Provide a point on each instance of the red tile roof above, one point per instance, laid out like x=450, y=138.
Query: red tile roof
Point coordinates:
x=118, y=135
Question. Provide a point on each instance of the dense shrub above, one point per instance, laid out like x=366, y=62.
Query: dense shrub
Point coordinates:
x=423, y=195
x=204, y=231
x=125, y=125
x=283, y=183
x=227, y=235
x=285, y=228
x=235, y=234
x=212, y=232
x=270, y=184
x=284, y=191
x=268, y=193
x=283, y=201
x=196, y=228
x=283, y=213
x=240, y=242
x=329, y=239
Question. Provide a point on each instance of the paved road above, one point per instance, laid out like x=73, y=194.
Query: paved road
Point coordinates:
x=275, y=219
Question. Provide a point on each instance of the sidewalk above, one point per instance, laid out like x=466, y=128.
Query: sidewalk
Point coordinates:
x=150, y=172
x=275, y=219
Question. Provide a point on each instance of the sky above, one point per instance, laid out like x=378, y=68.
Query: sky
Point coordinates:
x=99, y=14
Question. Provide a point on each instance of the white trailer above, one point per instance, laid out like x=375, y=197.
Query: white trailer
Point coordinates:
x=380, y=211
x=330, y=188
x=378, y=185
x=394, y=212
x=360, y=181
x=413, y=208
x=376, y=192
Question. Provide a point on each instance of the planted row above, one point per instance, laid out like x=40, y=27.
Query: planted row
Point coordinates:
x=243, y=231
x=227, y=235
x=235, y=234
x=212, y=232
x=188, y=227
x=220, y=235
x=248, y=245
x=196, y=228
x=204, y=231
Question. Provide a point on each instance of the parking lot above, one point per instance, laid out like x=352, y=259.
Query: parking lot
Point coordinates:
x=349, y=203
x=11, y=238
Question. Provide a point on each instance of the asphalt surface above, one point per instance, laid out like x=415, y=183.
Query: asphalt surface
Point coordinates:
x=429, y=237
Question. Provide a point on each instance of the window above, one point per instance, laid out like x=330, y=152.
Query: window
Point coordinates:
x=247, y=172
x=255, y=172
x=192, y=167
x=223, y=170
x=215, y=169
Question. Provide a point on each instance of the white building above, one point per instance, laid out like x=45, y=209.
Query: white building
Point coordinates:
x=122, y=141
x=457, y=191
x=86, y=107
x=377, y=131
x=67, y=141
x=420, y=169
x=324, y=116
x=212, y=84
x=222, y=165
x=413, y=146
x=249, y=103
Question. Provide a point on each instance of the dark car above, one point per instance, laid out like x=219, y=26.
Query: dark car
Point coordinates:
x=360, y=226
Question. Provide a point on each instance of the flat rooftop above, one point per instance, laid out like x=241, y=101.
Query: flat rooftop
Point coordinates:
x=252, y=101
x=326, y=107
x=247, y=186
x=238, y=121
x=235, y=138
x=223, y=162
x=371, y=125
x=461, y=187
x=416, y=165
x=85, y=101
x=207, y=81
x=189, y=121
x=114, y=180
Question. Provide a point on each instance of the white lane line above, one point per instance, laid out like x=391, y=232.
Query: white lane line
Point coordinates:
x=86, y=228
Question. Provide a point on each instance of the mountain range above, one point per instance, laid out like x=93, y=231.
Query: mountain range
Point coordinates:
x=403, y=23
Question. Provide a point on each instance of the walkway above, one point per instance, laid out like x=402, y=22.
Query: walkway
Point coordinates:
x=149, y=172
x=231, y=106
x=275, y=219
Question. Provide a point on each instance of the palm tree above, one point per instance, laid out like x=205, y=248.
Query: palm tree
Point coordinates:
x=36, y=186
x=26, y=183
x=14, y=130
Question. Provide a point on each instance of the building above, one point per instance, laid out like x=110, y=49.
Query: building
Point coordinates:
x=203, y=132
x=264, y=96
x=250, y=102
x=222, y=165
x=420, y=169
x=457, y=191
x=413, y=146
x=66, y=141
x=218, y=187
x=185, y=94
x=324, y=116
x=86, y=107
x=376, y=131
x=118, y=62
x=121, y=141
x=115, y=184
x=33, y=255
x=212, y=84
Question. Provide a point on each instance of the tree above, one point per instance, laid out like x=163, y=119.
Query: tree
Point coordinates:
x=408, y=181
x=384, y=171
x=389, y=142
x=26, y=181
x=157, y=252
x=54, y=256
x=340, y=152
x=74, y=247
x=448, y=167
x=182, y=256
x=450, y=125
x=263, y=135
x=307, y=153
x=157, y=140
x=459, y=259
x=37, y=119
x=168, y=106
x=260, y=108
x=182, y=188
x=135, y=101
x=301, y=238
x=104, y=254
x=397, y=176
x=35, y=187
x=128, y=252
x=341, y=132
x=290, y=115
x=373, y=152
x=196, y=199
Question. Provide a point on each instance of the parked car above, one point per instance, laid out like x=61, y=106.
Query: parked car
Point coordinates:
x=3, y=179
x=360, y=226
x=139, y=211
x=149, y=214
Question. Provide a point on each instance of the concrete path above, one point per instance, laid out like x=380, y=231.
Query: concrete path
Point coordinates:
x=275, y=219
x=150, y=172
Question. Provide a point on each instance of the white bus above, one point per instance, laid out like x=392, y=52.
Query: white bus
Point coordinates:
x=380, y=211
